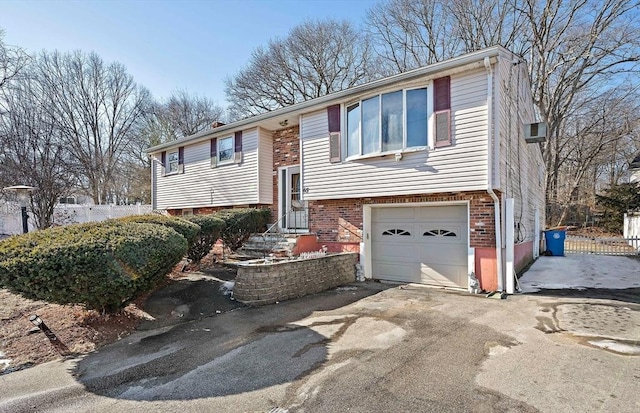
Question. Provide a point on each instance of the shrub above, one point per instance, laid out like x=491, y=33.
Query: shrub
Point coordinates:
x=211, y=228
x=241, y=223
x=187, y=229
x=101, y=265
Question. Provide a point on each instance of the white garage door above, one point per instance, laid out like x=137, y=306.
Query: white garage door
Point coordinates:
x=425, y=245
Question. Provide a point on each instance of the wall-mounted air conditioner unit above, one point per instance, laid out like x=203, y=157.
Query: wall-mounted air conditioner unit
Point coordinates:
x=535, y=132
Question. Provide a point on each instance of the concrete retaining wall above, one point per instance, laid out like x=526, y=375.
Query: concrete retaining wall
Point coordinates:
x=260, y=284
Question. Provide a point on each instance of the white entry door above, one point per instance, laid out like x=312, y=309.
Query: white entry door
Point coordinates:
x=295, y=208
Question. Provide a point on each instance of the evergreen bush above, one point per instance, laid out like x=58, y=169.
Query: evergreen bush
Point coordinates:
x=101, y=265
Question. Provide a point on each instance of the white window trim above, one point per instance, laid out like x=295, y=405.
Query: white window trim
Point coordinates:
x=177, y=162
x=226, y=161
x=405, y=148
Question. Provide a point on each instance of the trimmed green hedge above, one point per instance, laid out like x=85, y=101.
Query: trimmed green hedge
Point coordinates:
x=211, y=228
x=101, y=265
x=241, y=223
x=187, y=229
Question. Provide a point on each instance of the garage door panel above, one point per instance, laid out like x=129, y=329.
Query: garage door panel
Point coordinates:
x=392, y=233
x=441, y=232
x=407, y=272
x=433, y=274
x=394, y=252
x=442, y=253
x=426, y=244
x=446, y=212
x=393, y=214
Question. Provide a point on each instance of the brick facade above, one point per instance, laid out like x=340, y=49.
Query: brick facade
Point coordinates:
x=341, y=219
x=286, y=152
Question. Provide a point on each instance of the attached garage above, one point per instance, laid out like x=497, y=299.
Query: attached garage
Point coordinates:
x=420, y=244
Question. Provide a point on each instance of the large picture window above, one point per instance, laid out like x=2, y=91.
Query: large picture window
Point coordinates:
x=387, y=122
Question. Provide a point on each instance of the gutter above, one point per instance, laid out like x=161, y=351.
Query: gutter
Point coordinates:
x=496, y=201
x=321, y=102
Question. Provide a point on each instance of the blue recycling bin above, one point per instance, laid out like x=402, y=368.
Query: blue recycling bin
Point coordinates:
x=555, y=241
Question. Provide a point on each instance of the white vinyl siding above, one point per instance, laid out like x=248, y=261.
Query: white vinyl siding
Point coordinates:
x=521, y=163
x=201, y=185
x=265, y=166
x=462, y=166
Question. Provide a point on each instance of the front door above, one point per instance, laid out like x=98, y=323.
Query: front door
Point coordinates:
x=295, y=211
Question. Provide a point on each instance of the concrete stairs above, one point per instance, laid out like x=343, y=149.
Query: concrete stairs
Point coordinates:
x=280, y=245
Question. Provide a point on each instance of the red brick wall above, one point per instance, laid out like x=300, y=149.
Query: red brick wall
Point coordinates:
x=286, y=152
x=341, y=219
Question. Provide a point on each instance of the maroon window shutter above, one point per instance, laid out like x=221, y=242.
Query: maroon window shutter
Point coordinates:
x=181, y=160
x=213, y=150
x=442, y=109
x=441, y=94
x=333, y=113
x=238, y=142
x=163, y=163
x=214, y=147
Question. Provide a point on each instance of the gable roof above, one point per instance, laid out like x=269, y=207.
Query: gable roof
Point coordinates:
x=311, y=105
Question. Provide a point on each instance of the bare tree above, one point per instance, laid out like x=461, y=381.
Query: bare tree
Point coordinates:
x=189, y=114
x=97, y=108
x=412, y=33
x=12, y=61
x=589, y=137
x=316, y=58
x=33, y=151
x=576, y=47
x=577, y=50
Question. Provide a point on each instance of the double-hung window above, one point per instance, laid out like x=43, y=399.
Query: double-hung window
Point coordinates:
x=225, y=150
x=172, y=162
x=387, y=122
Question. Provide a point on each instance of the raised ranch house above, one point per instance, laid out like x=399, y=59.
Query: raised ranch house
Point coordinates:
x=426, y=173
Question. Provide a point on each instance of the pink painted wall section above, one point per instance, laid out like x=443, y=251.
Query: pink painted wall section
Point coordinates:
x=522, y=255
x=486, y=268
x=333, y=246
x=306, y=243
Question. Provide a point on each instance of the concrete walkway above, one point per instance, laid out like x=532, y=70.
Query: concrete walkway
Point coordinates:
x=582, y=271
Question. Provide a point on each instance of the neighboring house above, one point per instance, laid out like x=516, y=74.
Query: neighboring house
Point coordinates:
x=634, y=169
x=420, y=170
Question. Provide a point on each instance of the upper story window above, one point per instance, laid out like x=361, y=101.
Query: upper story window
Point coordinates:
x=225, y=149
x=172, y=162
x=67, y=200
x=387, y=122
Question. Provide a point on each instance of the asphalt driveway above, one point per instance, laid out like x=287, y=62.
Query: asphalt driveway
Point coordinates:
x=368, y=347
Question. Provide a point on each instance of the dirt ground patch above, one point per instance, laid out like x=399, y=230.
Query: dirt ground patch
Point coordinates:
x=80, y=330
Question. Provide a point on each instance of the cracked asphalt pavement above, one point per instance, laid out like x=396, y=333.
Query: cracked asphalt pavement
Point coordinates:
x=370, y=347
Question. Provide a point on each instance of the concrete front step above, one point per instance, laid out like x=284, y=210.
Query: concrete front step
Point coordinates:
x=276, y=243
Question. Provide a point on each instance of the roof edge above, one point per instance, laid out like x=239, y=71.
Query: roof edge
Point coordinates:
x=254, y=121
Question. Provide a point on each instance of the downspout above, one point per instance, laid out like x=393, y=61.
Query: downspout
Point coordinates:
x=496, y=200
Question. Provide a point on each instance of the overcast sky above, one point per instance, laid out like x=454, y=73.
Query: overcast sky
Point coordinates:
x=167, y=45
